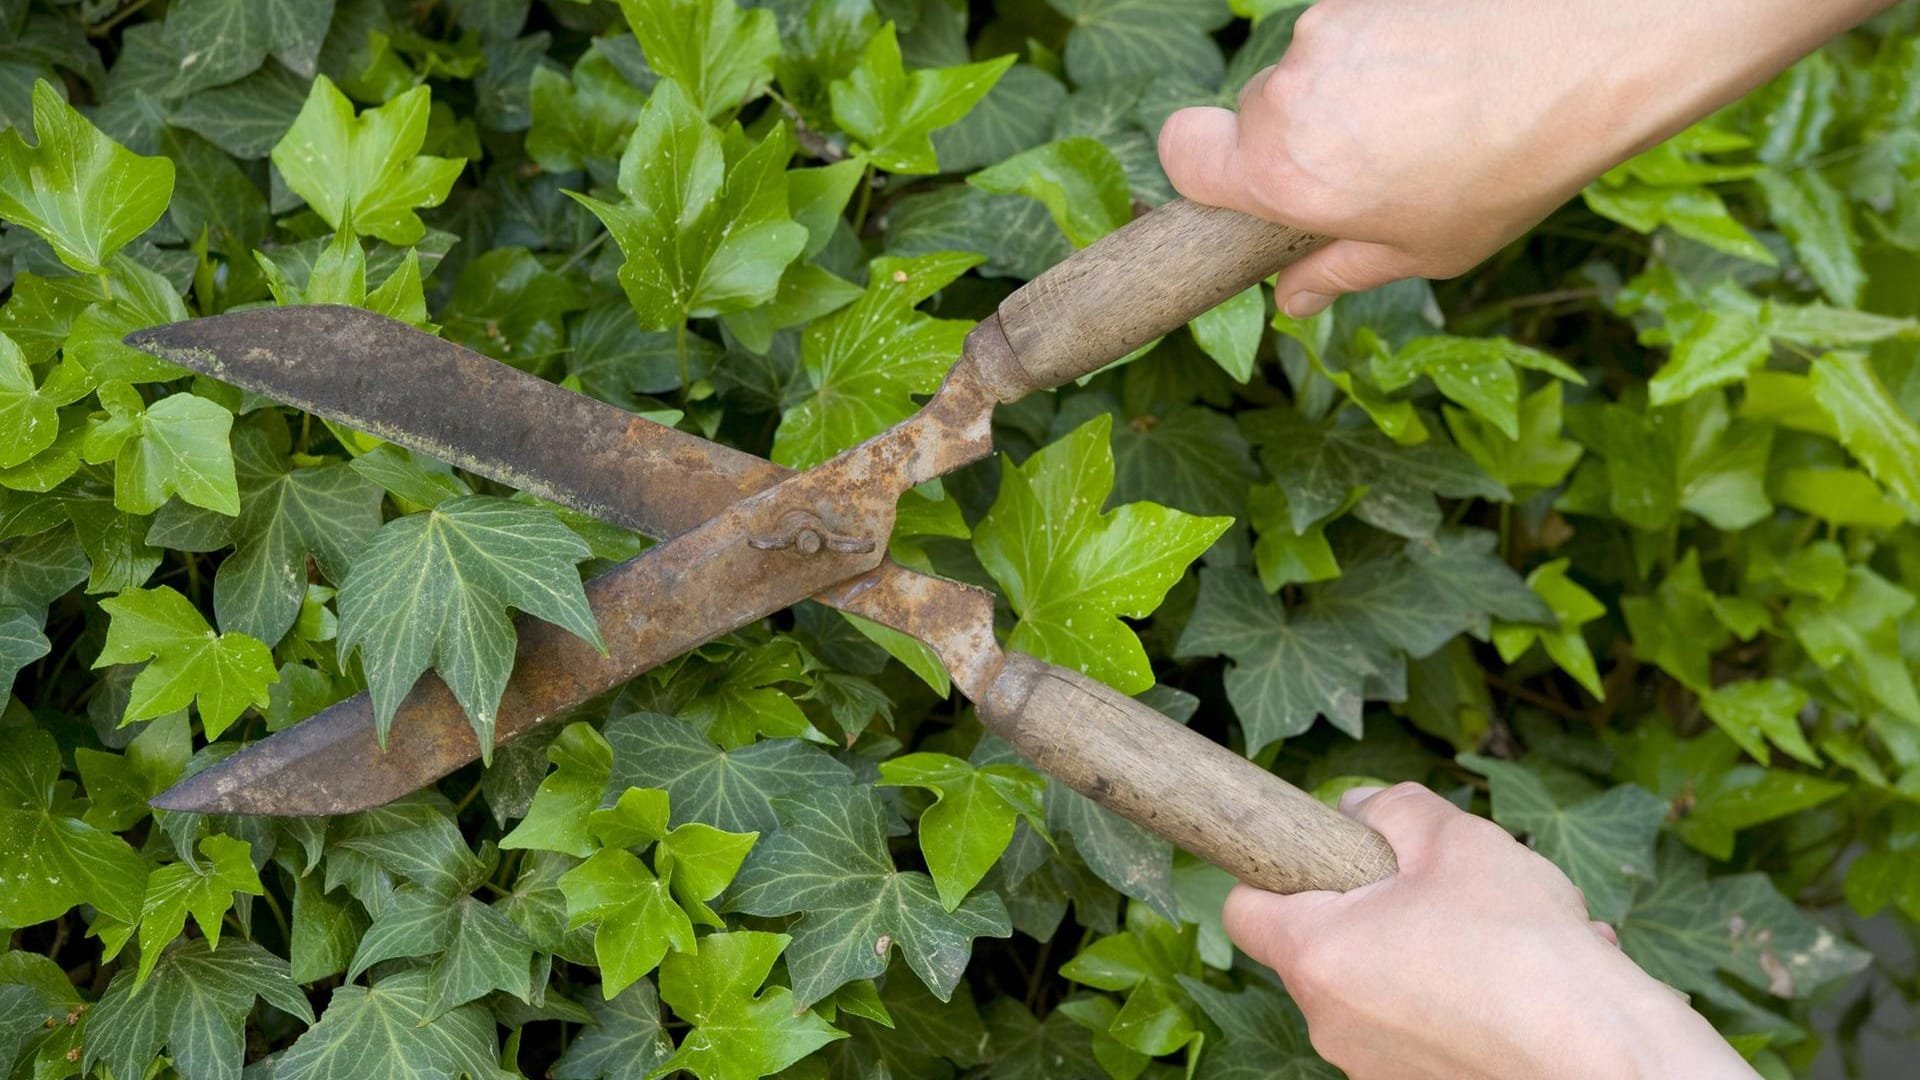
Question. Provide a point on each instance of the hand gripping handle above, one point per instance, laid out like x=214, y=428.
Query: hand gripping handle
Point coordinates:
x=1179, y=783
x=1142, y=281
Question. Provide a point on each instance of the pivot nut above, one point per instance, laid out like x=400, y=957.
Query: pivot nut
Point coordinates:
x=807, y=534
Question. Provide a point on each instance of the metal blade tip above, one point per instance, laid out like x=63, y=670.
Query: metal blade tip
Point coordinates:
x=177, y=343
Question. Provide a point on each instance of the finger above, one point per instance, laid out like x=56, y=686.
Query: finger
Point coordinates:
x=1266, y=925
x=1200, y=151
x=1254, y=85
x=1407, y=815
x=1344, y=266
x=1607, y=933
x=1351, y=799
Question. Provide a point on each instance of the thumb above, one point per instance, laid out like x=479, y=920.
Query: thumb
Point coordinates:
x=1344, y=266
x=1200, y=151
x=1267, y=926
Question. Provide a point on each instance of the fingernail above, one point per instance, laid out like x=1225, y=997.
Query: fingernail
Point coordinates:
x=1305, y=305
x=1353, y=797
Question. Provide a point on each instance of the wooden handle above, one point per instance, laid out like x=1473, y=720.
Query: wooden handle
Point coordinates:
x=1179, y=783
x=1142, y=281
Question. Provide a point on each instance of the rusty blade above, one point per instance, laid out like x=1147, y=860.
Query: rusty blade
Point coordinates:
x=406, y=386
x=746, y=562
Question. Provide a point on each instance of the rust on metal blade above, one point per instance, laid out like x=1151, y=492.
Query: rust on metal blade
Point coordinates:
x=406, y=386
x=819, y=532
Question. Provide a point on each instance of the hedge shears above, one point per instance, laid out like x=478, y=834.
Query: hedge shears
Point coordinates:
x=743, y=538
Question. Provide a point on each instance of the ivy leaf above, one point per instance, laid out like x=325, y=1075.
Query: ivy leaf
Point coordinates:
x=744, y=702
x=1604, y=843
x=433, y=588
x=195, y=1005
x=1872, y=425
x=1145, y=961
x=639, y=922
x=867, y=360
x=1188, y=457
x=1231, y=332
x=1121, y=39
x=29, y=419
x=1077, y=179
x=1856, y=637
x=176, y=446
x=1017, y=114
x=1690, y=456
x=219, y=41
x=721, y=56
x=739, y=1032
x=57, y=861
x=1537, y=457
x=288, y=514
x=557, y=819
x=83, y=193
x=1685, y=929
x=1028, y=1048
x=1573, y=607
x=206, y=891
x=1282, y=555
x=971, y=821
x=626, y=1040
x=1070, y=569
x=731, y=789
x=890, y=113
x=1319, y=467
x=705, y=226
x=224, y=672
x=582, y=121
x=365, y=172
x=1710, y=349
x=1761, y=711
x=1265, y=1035
x=1818, y=218
x=1479, y=373
x=476, y=948
x=1677, y=627
x=388, y=1030
x=829, y=863
x=21, y=643
x=1288, y=668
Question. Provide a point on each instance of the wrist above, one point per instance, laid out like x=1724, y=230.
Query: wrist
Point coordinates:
x=1667, y=1038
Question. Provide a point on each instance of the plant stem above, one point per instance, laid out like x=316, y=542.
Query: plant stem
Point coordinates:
x=866, y=200
x=680, y=351
x=583, y=251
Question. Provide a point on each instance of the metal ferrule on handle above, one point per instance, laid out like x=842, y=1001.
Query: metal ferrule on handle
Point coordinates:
x=1179, y=783
x=1143, y=281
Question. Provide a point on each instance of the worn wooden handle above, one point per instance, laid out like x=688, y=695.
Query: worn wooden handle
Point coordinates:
x=1179, y=783
x=1138, y=283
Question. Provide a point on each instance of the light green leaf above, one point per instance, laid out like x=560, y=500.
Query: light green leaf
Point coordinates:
x=1871, y=423
x=1071, y=569
x=1231, y=332
x=29, y=419
x=867, y=360
x=1713, y=349
x=738, y=1031
x=971, y=821
x=721, y=56
x=83, y=193
x=224, y=672
x=557, y=818
x=701, y=861
x=1604, y=843
x=1539, y=457
x=1573, y=607
x=365, y=171
x=1077, y=179
x=433, y=588
x=1818, y=218
x=638, y=919
x=829, y=864
x=1479, y=373
x=585, y=120
x=56, y=861
x=891, y=113
x=705, y=226
x=1676, y=627
x=206, y=891
x=1282, y=555
x=1761, y=711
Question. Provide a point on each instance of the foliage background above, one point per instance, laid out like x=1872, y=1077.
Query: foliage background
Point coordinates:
x=1611, y=538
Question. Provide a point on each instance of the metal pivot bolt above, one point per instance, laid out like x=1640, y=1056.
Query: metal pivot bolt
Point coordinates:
x=807, y=534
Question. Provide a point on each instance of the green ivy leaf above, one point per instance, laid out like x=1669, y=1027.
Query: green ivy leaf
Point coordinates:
x=1537, y=457
x=177, y=446
x=196, y=1005
x=433, y=588
x=705, y=226
x=739, y=1032
x=365, y=172
x=223, y=672
x=83, y=193
x=1604, y=843
x=206, y=891
x=557, y=818
x=721, y=56
x=891, y=113
x=582, y=121
x=1872, y=425
x=29, y=419
x=639, y=921
x=744, y=702
x=829, y=863
x=732, y=789
x=1573, y=607
x=56, y=860
x=1070, y=570
x=1231, y=332
x=219, y=41
x=1122, y=39
x=971, y=821
x=388, y=1029
x=867, y=360
x=1077, y=179
x=1479, y=373
x=1761, y=711
x=1265, y=1035
x=1818, y=218
x=1017, y=114
x=626, y=1041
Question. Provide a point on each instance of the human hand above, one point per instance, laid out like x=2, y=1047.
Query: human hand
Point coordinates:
x=1476, y=960
x=1424, y=135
